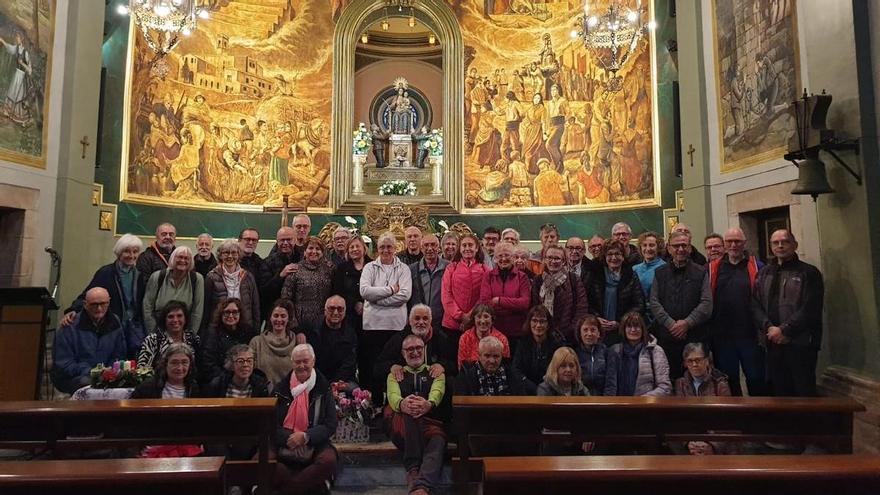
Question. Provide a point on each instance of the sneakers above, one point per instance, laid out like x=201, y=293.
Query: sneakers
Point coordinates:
x=411, y=476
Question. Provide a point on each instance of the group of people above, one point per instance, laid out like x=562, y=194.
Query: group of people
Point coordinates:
x=457, y=314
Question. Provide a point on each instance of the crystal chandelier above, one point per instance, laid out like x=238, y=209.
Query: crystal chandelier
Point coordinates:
x=163, y=22
x=613, y=36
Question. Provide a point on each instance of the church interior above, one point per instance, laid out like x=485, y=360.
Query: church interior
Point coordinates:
x=744, y=123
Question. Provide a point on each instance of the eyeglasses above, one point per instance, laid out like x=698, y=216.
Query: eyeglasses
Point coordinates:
x=249, y=239
x=678, y=246
x=285, y=241
x=243, y=361
x=614, y=254
x=691, y=361
x=574, y=248
x=335, y=309
x=414, y=349
x=98, y=303
x=231, y=312
x=553, y=258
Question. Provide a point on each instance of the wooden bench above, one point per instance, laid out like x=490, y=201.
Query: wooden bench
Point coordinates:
x=675, y=475
x=79, y=425
x=651, y=421
x=190, y=476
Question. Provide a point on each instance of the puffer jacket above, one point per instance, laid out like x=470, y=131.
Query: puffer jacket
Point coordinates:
x=248, y=293
x=593, y=365
x=514, y=299
x=629, y=292
x=798, y=305
x=653, y=377
x=715, y=386
x=460, y=291
x=385, y=309
x=219, y=384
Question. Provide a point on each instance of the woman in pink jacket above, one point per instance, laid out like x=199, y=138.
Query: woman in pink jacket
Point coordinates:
x=508, y=291
x=460, y=291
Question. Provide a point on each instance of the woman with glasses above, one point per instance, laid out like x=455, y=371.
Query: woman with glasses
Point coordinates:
x=613, y=290
x=561, y=293
x=229, y=280
x=309, y=286
x=637, y=366
x=172, y=329
x=533, y=353
x=701, y=379
x=175, y=376
x=509, y=292
x=226, y=330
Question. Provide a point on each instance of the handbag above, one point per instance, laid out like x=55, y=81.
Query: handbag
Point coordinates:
x=299, y=455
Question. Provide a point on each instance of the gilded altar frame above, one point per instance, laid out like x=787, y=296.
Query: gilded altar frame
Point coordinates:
x=353, y=20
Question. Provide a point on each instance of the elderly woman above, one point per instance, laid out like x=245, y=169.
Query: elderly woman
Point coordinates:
x=226, y=330
x=309, y=286
x=178, y=282
x=449, y=246
x=561, y=292
x=521, y=257
x=509, y=292
x=229, y=280
x=172, y=329
x=650, y=246
x=460, y=289
x=533, y=353
x=306, y=416
x=489, y=376
x=592, y=355
x=272, y=348
x=175, y=376
x=613, y=290
x=701, y=380
x=126, y=288
x=637, y=366
x=563, y=376
x=386, y=285
x=483, y=317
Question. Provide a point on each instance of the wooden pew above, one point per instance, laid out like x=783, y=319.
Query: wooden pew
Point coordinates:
x=675, y=475
x=74, y=425
x=190, y=476
x=651, y=421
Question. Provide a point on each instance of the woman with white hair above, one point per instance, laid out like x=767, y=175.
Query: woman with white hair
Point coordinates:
x=126, y=288
x=178, y=282
x=229, y=280
x=386, y=285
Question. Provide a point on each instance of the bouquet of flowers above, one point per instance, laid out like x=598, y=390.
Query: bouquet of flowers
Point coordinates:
x=362, y=140
x=397, y=187
x=353, y=411
x=122, y=374
x=435, y=143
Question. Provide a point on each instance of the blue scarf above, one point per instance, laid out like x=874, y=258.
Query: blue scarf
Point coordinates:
x=629, y=368
x=609, y=309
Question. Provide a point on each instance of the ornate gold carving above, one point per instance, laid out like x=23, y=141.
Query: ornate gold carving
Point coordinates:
x=394, y=217
x=461, y=228
x=326, y=233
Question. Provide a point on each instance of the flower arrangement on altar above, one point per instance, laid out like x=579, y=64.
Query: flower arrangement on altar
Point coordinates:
x=121, y=374
x=397, y=187
x=353, y=409
x=362, y=140
x=435, y=143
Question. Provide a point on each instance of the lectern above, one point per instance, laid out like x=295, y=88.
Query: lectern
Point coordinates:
x=23, y=319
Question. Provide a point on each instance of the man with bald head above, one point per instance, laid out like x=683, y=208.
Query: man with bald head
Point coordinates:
x=335, y=344
x=280, y=263
x=787, y=308
x=95, y=336
x=412, y=240
x=427, y=277
x=155, y=256
x=695, y=255
x=732, y=335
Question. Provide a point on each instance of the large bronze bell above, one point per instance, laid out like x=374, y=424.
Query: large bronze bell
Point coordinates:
x=811, y=178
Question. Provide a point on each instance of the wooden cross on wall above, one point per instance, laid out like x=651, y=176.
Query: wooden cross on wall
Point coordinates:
x=690, y=153
x=85, y=143
x=284, y=209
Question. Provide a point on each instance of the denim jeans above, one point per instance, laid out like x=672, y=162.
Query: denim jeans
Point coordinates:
x=731, y=354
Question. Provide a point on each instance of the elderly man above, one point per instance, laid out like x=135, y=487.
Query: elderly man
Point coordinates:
x=341, y=237
x=510, y=235
x=415, y=428
x=549, y=236
x=250, y=260
x=681, y=302
x=277, y=266
x=578, y=264
x=335, y=344
x=623, y=233
x=714, y=245
x=155, y=256
x=695, y=255
x=95, y=336
x=787, y=308
x=732, y=332
x=412, y=251
x=491, y=236
x=438, y=350
x=204, y=259
x=302, y=226
x=427, y=277
x=489, y=376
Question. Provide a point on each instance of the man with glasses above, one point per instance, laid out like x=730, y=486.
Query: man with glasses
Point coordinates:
x=695, y=255
x=335, y=344
x=681, y=302
x=623, y=233
x=95, y=336
x=578, y=264
x=427, y=278
x=491, y=237
x=733, y=337
x=250, y=260
x=439, y=354
x=714, y=245
x=302, y=226
x=549, y=238
x=341, y=236
x=277, y=266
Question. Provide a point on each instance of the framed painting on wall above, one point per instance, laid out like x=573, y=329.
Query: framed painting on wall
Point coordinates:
x=26, y=34
x=757, y=76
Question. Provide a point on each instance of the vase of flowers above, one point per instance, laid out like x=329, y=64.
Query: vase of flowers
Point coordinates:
x=121, y=374
x=353, y=409
x=362, y=140
x=435, y=143
x=397, y=188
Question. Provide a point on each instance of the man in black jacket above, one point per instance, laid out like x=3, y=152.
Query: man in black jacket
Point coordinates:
x=277, y=266
x=335, y=344
x=438, y=351
x=250, y=260
x=787, y=308
x=155, y=256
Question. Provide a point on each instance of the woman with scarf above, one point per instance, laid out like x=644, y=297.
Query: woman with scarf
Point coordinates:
x=172, y=329
x=509, y=292
x=229, y=280
x=126, y=288
x=637, y=366
x=613, y=290
x=306, y=414
x=309, y=286
x=561, y=292
x=534, y=351
x=226, y=330
x=483, y=317
x=272, y=348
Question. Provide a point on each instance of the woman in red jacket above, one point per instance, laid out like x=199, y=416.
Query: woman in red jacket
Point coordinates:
x=460, y=291
x=508, y=291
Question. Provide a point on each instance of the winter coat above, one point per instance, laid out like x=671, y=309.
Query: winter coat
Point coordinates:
x=346, y=283
x=151, y=260
x=83, y=345
x=217, y=342
x=569, y=305
x=152, y=389
x=108, y=278
x=309, y=288
x=460, y=291
x=531, y=359
x=469, y=343
x=385, y=309
x=515, y=297
x=467, y=382
x=270, y=280
x=653, y=375
x=191, y=292
x=550, y=389
x=322, y=412
x=716, y=385
x=629, y=293
x=219, y=384
x=253, y=264
x=335, y=350
x=427, y=289
x=798, y=304
x=645, y=271
x=204, y=266
x=248, y=293
x=593, y=366
x=681, y=293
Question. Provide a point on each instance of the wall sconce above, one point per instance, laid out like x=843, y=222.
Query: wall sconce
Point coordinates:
x=365, y=37
x=384, y=24
x=432, y=39
x=812, y=137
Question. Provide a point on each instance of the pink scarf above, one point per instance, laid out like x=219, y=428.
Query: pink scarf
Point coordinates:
x=297, y=418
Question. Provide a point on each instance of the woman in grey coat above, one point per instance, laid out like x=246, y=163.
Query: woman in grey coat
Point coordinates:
x=637, y=366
